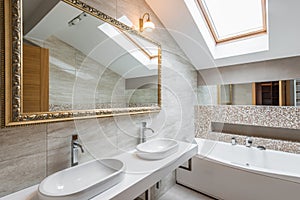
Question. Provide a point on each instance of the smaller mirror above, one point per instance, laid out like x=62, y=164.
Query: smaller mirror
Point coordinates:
x=269, y=93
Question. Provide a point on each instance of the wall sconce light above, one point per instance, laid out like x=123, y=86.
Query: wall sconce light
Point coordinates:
x=148, y=26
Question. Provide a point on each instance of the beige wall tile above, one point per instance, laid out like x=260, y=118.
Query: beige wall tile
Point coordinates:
x=58, y=159
x=19, y=173
x=22, y=141
x=59, y=135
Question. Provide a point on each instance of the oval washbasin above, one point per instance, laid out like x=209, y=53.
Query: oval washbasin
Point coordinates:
x=157, y=149
x=83, y=181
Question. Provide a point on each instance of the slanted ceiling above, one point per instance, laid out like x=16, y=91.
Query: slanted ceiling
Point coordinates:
x=99, y=46
x=283, y=30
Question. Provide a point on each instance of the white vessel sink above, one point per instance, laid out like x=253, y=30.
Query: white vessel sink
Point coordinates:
x=157, y=149
x=83, y=181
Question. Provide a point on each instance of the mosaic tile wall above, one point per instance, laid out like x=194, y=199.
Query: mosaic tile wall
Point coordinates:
x=266, y=116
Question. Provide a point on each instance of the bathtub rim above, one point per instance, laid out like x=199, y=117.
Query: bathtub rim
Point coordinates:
x=291, y=177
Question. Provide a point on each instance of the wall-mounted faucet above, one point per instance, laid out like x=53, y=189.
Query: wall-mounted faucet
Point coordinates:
x=233, y=141
x=249, y=141
x=142, y=132
x=74, y=150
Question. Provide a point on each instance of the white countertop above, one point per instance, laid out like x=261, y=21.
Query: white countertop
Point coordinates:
x=140, y=175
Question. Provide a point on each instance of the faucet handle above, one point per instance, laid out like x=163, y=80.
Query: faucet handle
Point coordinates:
x=249, y=141
x=74, y=137
x=77, y=145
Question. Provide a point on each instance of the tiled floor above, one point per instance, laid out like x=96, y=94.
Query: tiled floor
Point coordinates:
x=178, y=192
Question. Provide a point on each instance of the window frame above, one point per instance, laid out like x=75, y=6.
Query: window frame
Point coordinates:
x=235, y=37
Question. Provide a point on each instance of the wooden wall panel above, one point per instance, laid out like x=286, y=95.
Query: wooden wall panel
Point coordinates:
x=35, y=79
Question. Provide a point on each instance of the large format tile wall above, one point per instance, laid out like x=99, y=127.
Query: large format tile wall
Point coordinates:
x=263, y=116
x=29, y=154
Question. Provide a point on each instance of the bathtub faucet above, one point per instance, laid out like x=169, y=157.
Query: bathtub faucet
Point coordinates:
x=261, y=147
x=249, y=142
x=233, y=141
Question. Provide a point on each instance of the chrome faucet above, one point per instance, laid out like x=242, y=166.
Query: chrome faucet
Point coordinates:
x=249, y=141
x=233, y=141
x=142, y=132
x=74, y=150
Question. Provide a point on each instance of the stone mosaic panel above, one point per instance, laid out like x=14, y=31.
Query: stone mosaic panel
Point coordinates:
x=278, y=145
x=266, y=116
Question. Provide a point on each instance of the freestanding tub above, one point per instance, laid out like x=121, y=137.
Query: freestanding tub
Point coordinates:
x=236, y=172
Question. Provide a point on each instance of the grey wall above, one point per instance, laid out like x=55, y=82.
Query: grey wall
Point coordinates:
x=271, y=70
x=28, y=154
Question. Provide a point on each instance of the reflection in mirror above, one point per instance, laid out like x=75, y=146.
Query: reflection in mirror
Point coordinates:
x=74, y=61
x=271, y=93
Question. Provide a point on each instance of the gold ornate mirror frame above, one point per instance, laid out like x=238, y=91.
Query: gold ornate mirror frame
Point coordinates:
x=11, y=70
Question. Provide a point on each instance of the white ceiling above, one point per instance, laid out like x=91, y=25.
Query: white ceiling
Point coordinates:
x=283, y=27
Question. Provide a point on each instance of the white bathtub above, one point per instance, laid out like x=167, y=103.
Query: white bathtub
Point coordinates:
x=236, y=172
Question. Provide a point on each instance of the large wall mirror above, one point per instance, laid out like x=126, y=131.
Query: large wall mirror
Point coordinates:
x=266, y=93
x=69, y=60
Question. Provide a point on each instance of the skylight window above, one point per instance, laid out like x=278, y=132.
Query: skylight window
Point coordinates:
x=234, y=19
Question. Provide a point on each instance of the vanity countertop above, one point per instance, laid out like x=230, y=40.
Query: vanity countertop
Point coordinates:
x=140, y=175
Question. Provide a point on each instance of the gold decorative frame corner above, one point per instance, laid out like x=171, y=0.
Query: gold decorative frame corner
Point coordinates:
x=11, y=70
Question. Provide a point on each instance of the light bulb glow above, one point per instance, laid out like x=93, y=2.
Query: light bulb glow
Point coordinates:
x=148, y=26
